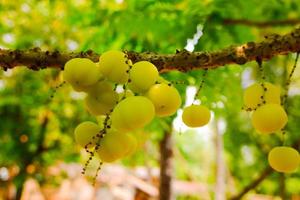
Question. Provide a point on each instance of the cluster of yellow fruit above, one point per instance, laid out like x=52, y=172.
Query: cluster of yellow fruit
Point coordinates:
x=269, y=117
x=264, y=99
x=145, y=95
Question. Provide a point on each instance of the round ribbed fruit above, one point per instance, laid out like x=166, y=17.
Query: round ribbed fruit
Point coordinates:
x=101, y=98
x=100, y=120
x=85, y=132
x=141, y=137
x=284, y=159
x=165, y=98
x=132, y=113
x=195, y=115
x=133, y=144
x=114, y=145
x=252, y=95
x=114, y=65
x=142, y=75
x=269, y=118
x=81, y=73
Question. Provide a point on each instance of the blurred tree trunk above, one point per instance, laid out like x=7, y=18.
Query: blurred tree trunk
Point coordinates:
x=282, y=186
x=220, y=166
x=27, y=160
x=166, y=168
x=20, y=184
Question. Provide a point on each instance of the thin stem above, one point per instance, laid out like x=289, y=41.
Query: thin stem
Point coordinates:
x=56, y=88
x=97, y=172
x=263, y=80
x=201, y=85
x=106, y=125
x=284, y=99
x=128, y=72
x=98, y=136
x=288, y=82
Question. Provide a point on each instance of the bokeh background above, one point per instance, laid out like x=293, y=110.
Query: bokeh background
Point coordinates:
x=39, y=159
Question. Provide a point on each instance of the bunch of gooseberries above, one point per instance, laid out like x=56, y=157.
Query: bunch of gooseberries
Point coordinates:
x=123, y=114
x=146, y=95
x=268, y=117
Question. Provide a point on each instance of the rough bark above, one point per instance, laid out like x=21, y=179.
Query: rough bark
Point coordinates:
x=166, y=168
x=271, y=46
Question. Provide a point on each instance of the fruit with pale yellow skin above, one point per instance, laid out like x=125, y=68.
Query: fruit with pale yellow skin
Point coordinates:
x=141, y=137
x=85, y=132
x=269, y=118
x=253, y=95
x=165, y=98
x=81, y=73
x=132, y=113
x=284, y=159
x=133, y=144
x=142, y=76
x=115, y=145
x=114, y=65
x=195, y=115
x=101, y=98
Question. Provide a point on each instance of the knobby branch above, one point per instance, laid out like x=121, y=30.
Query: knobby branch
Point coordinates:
x=182, y=60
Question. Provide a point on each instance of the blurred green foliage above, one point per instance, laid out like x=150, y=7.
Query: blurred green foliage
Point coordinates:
x=36, y=130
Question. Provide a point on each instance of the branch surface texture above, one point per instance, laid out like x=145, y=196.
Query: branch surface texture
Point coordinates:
x=183, y=60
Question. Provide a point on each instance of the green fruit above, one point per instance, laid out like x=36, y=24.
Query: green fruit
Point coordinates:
x=132, y=143
x=101, y=98
x=196, y=115
x=165, y=98
x=85, y=132
x=142, y=75
x=141, y=137
x=252, y=95
x=284, y=159
x=81, y=73
x=114, y=145
x=132, y=113
x=114, y=65
x=269, y=118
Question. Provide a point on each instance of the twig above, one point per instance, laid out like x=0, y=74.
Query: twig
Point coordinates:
x=267, y=171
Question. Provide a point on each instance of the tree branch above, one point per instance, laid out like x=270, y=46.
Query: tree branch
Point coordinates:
x=268, y=170
x=285, y=22
x=271, y=46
